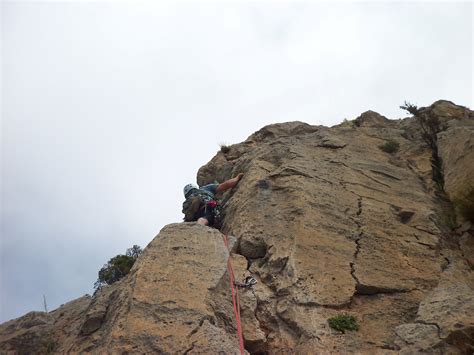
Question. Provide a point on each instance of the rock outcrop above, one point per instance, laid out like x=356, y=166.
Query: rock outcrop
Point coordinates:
x=328, y=224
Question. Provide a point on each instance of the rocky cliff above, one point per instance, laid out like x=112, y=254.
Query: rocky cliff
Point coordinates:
x=329, y=224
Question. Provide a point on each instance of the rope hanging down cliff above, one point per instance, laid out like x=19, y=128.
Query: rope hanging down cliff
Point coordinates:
x=235, y=298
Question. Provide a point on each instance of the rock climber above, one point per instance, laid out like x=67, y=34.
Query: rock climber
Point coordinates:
x=200, y=204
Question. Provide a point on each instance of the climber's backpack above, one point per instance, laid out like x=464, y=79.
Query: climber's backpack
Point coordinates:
x=194, y=205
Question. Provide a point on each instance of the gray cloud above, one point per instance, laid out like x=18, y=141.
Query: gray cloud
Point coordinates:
x=109, y=109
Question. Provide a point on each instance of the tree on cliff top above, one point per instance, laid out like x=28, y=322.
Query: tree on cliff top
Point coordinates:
x=117, y=267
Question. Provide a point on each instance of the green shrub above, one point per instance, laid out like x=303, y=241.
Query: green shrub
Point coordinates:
x=343, y=322
x=449, y=221
x=390, y=146
x=117, y=267
x=464, y=204
x=50, y=346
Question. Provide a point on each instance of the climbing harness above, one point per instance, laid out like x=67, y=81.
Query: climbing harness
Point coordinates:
x=216, y=213
x=201, y=203
x=235, y=297
x=212, y=203
x=248, y=282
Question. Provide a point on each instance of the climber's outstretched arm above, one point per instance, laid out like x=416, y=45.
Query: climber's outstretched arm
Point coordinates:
x=229, y=184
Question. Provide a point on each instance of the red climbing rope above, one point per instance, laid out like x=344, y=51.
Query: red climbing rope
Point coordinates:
x=235, y=298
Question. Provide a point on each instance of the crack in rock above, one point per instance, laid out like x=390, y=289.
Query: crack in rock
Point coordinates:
x=201, y=322
x=311, y=304
x=190, y=348
x=359, y=206
x=357, y=239
x=386, y=174
x=376, y=290
x=434, y=324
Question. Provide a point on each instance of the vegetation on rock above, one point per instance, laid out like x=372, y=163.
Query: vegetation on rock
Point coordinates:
x=225, y=148
x=343, y=322
x=449, y=219
x=117, y=267
x=50, y=346
x=390, y=146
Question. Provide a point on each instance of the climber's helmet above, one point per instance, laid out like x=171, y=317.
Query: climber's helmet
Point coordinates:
x=188, y=188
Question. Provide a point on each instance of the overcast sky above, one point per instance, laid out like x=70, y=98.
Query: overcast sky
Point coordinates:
x=110, y=109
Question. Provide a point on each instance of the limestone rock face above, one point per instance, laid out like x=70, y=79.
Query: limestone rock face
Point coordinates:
x=328, y=224
x=41, y=332
x=456, y=147
x=165, y=305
